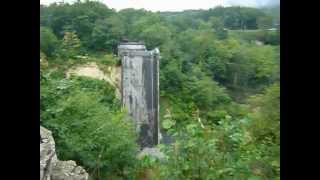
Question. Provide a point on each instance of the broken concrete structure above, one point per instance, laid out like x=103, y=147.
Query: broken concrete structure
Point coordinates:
x=140, y=89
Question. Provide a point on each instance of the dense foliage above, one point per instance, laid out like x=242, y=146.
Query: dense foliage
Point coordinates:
x=219, y=88
x=85, y=118
x=246, y=148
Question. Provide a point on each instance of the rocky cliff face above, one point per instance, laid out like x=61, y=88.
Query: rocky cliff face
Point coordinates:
x=53, y=169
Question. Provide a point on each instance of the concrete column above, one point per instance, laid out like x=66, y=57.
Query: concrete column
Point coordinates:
x=140, y=89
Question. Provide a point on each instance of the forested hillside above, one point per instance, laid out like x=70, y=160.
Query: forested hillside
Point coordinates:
x=219, y=91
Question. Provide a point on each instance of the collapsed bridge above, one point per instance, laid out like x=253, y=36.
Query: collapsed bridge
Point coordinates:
x=140, y=89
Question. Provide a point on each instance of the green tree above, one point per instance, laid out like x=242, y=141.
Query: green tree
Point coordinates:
x=48, y=41
x=155, y=35
x=71, y=45
x=218, y=26
x=205, y=92
x=252, y=68
x=129, y=18
x=107, y=33
x=171, y=77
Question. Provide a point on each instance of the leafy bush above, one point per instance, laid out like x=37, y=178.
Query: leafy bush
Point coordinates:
x=88, y=125
x=242, y=146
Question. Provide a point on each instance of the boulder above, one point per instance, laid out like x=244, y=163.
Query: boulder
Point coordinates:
x=51, y=168
x=68, y=170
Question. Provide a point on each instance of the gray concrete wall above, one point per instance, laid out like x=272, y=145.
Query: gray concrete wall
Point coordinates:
x=140, y=90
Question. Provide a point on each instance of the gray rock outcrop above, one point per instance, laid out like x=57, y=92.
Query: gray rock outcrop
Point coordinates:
x=53, y=169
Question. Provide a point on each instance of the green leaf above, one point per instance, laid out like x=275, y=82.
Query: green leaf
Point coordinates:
x=167, y=124
x=244, y=120
x=191, y=128
x=228, y=117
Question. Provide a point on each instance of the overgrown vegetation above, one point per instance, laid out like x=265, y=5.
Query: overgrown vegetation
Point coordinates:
x=219, y=82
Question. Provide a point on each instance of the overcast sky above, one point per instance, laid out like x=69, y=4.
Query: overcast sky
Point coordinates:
x=173, y=5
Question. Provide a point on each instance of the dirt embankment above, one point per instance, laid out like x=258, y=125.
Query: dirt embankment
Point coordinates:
x=92, y=70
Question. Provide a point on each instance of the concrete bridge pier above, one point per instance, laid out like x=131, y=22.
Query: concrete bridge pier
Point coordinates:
x=140, y=89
